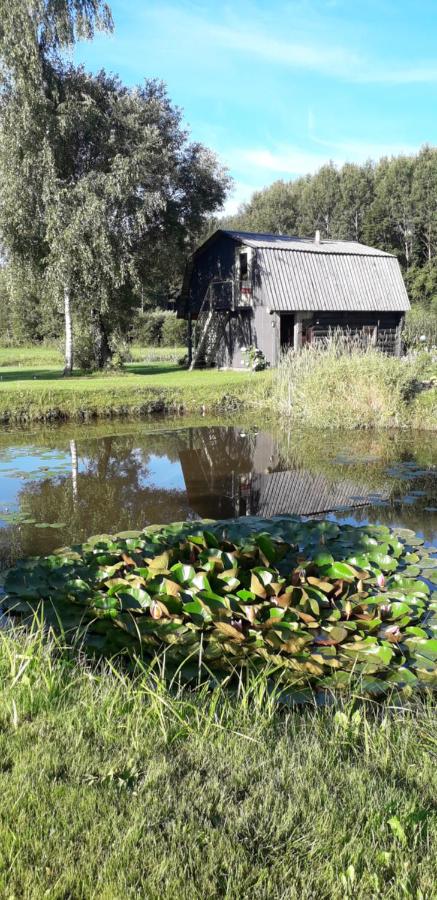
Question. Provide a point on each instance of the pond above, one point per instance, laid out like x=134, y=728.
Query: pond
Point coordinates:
x=59, y=485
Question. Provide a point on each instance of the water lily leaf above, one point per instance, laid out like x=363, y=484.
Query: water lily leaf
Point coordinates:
x=160, y=563
x=397, y=610
x=257, y=587
x=324, y=586
x=340, y=570
x=268, y=548
x=229, y=631
x=323, y=558
x=134, y=598
x=430, y=575
x=182, y=573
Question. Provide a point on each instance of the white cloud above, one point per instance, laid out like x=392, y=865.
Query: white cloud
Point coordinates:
x=361, y=151
x=293, y=160
x=314, y=47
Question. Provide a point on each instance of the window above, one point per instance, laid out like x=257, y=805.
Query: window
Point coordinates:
x=244, y=267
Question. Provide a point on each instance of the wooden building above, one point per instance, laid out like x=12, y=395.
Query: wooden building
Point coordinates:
x=243, y=290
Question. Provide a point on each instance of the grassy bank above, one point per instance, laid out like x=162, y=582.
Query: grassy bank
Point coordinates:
x=115, y=786
x=38, y=393
x=329, y=389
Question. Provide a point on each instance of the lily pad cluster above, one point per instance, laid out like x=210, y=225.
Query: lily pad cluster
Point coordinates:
x=322, y=605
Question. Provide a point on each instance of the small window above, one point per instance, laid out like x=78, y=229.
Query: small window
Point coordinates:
x=244, y=267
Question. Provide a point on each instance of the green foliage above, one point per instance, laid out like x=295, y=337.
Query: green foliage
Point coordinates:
x=147, y=328
x=157, y=328
x=101, y=193
x=174, y=331
x=340, y=384
x=421, y=284
x=254, y=359
x=326, y=606
x=390, y=204
x=420, y=328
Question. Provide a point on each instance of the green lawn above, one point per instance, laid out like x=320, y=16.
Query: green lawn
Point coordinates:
x=32, y=387
x=114, y=786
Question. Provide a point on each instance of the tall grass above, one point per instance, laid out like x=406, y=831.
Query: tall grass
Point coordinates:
x=341, y=383
x=120, y=785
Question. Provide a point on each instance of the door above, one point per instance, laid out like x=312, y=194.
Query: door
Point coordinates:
x=287, y=331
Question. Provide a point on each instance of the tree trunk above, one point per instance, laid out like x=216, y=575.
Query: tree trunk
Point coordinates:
x=102, y=350
x=68, y=368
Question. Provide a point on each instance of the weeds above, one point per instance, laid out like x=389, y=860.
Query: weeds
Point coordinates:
x=340, y=384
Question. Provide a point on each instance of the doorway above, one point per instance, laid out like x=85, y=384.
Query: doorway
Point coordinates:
x=287, y=331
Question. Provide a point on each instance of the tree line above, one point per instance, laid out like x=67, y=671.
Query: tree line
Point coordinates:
x=102, y=192
x=390, y=204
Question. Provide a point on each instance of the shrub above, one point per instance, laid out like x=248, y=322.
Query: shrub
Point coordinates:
x=174, y=331
x=159, y=328
x=147, y=329
x=84, y=350
x=121, y=353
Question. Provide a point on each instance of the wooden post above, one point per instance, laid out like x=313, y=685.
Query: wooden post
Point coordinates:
x=297, y=333
x=398, y=341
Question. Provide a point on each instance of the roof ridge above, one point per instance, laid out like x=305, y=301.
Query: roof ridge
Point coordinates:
x=305, y=244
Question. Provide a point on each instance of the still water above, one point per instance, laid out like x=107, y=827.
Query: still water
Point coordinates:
x=60, y=485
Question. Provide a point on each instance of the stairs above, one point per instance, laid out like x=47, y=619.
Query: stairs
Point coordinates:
x=208, y=330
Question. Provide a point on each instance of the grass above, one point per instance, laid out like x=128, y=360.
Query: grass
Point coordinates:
x=33, y=389
x=116, y=785
x=340, y=385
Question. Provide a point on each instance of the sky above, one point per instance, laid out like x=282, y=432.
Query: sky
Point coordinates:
x=279, y=88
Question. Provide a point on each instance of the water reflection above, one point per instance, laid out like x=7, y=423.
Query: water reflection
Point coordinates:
x=229, y=473
x=59, y=486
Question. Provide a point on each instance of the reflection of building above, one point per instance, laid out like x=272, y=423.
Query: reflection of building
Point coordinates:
x=229, y=474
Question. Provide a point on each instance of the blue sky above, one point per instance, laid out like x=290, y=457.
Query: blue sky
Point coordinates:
x=278, y=88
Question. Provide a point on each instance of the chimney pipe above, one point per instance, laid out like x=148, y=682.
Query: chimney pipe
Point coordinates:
x=317, y=237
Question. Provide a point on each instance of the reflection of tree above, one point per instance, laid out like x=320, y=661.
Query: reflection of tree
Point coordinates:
x=108, y=489
x=74, y=472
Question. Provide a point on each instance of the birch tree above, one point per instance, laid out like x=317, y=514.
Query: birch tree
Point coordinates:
x=100, y=187
x=28, y=86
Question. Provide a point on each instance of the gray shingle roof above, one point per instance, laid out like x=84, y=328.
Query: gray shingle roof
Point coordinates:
x=304, y=493
x=332, y=282
x=299, y=274
x=304, y=245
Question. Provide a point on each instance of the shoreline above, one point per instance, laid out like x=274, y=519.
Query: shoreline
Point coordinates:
x=61, y=411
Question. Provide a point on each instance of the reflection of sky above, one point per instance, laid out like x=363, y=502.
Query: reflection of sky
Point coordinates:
x=163, y=474
x=17, y=465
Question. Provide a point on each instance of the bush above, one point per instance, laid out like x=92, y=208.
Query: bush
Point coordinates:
x=159, y=329
x=147, y=329
x=84, y=350
x=174, y=331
